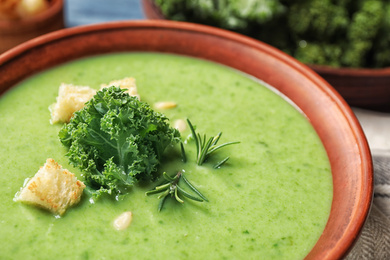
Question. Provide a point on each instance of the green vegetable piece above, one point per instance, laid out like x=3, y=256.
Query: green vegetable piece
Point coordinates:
x=204, y=147
x=342, y=33
x=172, y=186
x=381, y=55
x=117, y=141
x=228, y=14
x=365, y=24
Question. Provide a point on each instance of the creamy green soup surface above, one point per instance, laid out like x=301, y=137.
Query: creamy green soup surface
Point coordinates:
x=271, y=200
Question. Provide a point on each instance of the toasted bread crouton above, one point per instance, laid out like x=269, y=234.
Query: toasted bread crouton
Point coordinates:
x=126, y=83
x=70, y=99
x=52, y=188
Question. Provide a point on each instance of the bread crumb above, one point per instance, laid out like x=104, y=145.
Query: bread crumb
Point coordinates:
x=73, y=98
x=52, y=188
x=70, y=99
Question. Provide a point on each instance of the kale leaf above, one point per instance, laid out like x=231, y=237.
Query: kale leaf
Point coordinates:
x=117, y=141
x=338, y=33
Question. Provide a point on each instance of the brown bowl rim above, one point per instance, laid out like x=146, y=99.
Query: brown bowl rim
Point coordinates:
x=350, y=72
x=363, y=202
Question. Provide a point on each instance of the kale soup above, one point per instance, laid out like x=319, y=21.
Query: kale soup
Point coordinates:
x=270, y=200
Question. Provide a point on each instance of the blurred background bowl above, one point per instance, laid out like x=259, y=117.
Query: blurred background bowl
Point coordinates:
x=364, y=88
x=16, y=31
x=329, y=114
x=360, y=87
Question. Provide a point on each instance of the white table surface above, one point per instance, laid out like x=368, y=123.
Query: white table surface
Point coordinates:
x=376, y=126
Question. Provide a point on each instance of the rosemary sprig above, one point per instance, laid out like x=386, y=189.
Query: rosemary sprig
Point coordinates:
x=221, y=163
x=183, y=153
x=171, y=187
x=205, y=147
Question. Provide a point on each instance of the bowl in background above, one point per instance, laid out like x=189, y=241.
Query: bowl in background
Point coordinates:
x=364, y=88
x=361, y=87
x=16, y=31
x=329, y=114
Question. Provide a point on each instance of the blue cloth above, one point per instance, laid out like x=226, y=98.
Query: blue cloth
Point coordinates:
x=83, y=12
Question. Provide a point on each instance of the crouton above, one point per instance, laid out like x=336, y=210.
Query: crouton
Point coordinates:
x=126, y=83
x=70, y=99
x=52, y=188
x=73, y=98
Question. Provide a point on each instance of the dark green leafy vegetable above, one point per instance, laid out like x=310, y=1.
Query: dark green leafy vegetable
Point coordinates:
x=204, y=148
x=117, y=141
x=381, y=56
x=171, y=187
x=363, y=29
x=234, y=15
x=342, y=33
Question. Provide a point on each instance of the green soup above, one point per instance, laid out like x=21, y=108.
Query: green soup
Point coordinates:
x=271, y=200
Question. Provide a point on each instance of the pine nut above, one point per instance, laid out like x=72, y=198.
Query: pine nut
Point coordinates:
x=180, y=125
x=165, y=105
x=123, y=220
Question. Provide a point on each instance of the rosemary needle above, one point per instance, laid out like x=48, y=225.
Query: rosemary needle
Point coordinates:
x=183, y=152
x=205, y=147
x=221, y=163
x=172, y=187
x=193, y=188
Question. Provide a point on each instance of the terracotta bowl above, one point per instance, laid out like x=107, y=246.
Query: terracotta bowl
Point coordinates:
x=14, y=32
x=329, y=114
x=365, y=88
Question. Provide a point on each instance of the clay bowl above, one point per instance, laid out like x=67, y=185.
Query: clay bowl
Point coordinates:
x=329, y=114
x=365, y=88
x=14, y=32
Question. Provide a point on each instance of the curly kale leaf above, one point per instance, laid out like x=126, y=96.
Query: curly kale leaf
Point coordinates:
x=364, y=27
x=318, y=20
x=318, y=28
x=381, y=55
x=228, y=14
x=339, y=33
x=319, y=53
x=117, y=141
